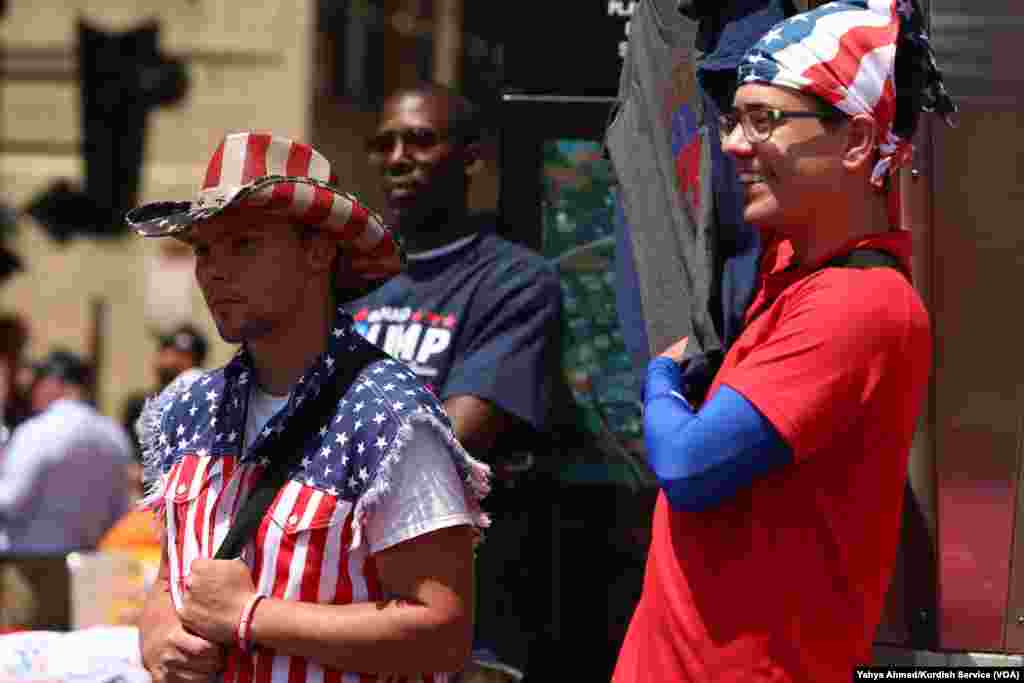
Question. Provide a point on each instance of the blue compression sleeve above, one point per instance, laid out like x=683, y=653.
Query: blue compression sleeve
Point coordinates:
x=703, y=458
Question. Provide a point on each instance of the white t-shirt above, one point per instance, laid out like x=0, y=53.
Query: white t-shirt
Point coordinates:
x=262, y=407
x=426, y=491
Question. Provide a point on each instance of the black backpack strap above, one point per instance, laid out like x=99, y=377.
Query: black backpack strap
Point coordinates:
x=867, y=258
x=287, y=447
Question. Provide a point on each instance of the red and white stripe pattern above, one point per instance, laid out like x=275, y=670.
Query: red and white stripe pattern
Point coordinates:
x=273, y=173
x=301, y=552
x=843, y=52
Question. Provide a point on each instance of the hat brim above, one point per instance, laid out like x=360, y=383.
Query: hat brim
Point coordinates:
x=167, y=219
x=362, y=235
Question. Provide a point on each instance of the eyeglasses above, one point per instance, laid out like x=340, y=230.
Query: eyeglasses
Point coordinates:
x=759, y=124
x=414, y=140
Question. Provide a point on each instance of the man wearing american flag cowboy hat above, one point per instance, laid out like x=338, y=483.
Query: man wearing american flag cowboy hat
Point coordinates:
x=361, y=568
x=775, y=531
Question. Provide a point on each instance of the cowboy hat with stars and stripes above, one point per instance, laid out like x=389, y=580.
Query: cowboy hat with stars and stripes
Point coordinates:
x=274, y=174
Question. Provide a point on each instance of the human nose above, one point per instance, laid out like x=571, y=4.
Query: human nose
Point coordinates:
x=388, y=149
x=397, y=153
x=735, y=142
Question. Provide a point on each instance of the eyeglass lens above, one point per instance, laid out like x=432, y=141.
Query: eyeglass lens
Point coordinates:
x=757, y=124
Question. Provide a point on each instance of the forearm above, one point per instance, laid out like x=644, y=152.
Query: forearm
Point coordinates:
x=474, y=422
x=387, y=637
x=478, y=424
x=667, y=419
x=701, y=459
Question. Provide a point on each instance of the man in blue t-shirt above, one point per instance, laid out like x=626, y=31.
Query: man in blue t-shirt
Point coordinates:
x=476, y=316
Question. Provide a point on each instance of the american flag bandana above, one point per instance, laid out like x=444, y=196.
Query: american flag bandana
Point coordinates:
x=845, y=53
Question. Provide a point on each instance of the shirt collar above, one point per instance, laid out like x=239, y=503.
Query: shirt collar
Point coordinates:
x=64, y=403
x=779, y=270
x=778, y=254
x=239, y=372
x=449, y=248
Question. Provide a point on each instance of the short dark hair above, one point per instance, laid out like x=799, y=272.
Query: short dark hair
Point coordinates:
x=304, y=231
x=833, y=116
x=66, y=366
x=466, y=122
x=187, y=339
x=343, y=291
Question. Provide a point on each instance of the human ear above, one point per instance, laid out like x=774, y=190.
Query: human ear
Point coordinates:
x=321, y=251
x=861, y=142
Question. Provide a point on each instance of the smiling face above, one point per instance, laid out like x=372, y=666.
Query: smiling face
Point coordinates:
x=423, y=165
x=256, y=272
x=791, y=180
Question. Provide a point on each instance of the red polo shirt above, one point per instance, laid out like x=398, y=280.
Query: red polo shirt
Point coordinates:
x=785, y=581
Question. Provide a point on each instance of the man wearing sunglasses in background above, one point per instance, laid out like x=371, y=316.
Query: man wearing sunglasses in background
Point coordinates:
x=476, y=316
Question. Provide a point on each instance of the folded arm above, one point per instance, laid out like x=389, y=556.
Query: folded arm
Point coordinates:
x=702, y=458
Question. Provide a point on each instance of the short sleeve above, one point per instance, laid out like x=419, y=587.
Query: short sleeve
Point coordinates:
x=847, y=342
x=426, y=493
x=511, y=342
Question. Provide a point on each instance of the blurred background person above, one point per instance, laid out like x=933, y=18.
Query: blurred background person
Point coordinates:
x=63, y=483
x=62, y=480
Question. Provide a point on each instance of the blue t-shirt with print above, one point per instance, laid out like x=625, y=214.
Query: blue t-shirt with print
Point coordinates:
x=481, y=319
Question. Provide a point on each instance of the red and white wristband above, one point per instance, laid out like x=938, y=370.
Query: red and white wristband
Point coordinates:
x=245, y=623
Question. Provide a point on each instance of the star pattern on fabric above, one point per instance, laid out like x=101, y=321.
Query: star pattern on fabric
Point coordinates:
x=800, y=53
x=342, y=456
x=772, y=35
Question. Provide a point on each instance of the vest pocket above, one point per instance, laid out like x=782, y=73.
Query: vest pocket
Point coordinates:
x=301, y=509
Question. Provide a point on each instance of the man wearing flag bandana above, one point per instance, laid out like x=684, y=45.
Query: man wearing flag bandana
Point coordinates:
x=775, y=531
x=361, y=568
